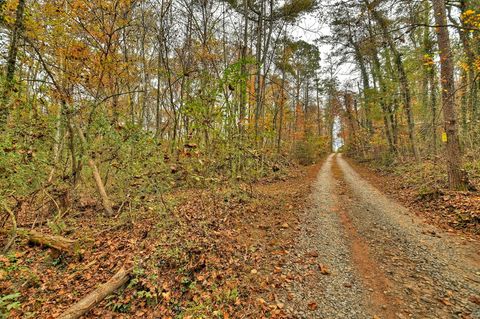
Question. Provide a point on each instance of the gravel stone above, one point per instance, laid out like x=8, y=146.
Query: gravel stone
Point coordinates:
x=430, y=274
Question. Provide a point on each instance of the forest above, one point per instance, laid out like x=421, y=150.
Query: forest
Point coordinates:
x=239, y=158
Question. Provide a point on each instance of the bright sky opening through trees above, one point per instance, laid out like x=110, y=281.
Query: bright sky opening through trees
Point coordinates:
x=267, y=76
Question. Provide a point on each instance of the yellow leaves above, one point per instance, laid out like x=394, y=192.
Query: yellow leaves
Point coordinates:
x=471, y=18
x=78, y=5
x=477, y=64
x=52, y=9
x=9, y=11
x=78, y=51
x=464, y=66
x=468, y=13
x=428, y=60
x=11, y=5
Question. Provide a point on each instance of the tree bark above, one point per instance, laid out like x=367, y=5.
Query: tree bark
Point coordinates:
x=11, y=63
x=402, y=76
x=107, y=205
x=453, y=153
x=57, y=242
x=319, y=109
x=376, y=71
x=258, y=76
x=433, y=107
x=348, y=101
x=365, y=80
x=243, y=71
x=97, y=295
x=465, y=38
x=282, y=97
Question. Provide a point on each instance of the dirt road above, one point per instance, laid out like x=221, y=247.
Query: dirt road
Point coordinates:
x=362, y=255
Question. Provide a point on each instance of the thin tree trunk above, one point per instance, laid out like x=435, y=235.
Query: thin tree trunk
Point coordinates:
x=306, y=102
x=243, y=71
x=453, y=153
x=258, y=79
x=365, y=80
x=383, y=104
x=348, y=100
x=470, y=97
x=319, y=110
x=158, y=115
x=107, y=205
x=11, y=63
x=433, y=108
x=282, y=104
x=402, y=75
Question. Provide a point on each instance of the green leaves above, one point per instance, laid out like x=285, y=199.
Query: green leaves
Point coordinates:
x=7, y=303
x=294, y=8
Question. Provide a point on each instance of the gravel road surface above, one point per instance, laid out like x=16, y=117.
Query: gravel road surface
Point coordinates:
x=362, y=255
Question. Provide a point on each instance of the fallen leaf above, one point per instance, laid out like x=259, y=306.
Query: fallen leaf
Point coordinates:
x=312, y=305
x=324, y=269
x=474, y=299
x=166, y=296
x=446, y=302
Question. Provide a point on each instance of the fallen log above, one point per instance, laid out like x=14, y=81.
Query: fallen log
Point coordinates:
x=57, y=242
x=97, y=295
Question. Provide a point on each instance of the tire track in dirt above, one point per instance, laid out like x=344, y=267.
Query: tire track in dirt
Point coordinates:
x=340, y=292
x=382, y=303
x=381, y=261
x=323, y=241
x=432, y=277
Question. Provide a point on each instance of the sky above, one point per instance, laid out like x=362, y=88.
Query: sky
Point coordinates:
x=309, y=28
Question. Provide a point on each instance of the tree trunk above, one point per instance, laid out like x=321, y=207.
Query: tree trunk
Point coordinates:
x=348, y=100
x=454, y=156
x=282, y=100
x=107, y=205
x=258, y=78
x=365, y=80
x=433, y=107
x=96, y=296
x=383, y=104
x=402, y=76
x=319, y=109
x=57, y=242
x=11, y=63
x=243, y=71
x=471, y=100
